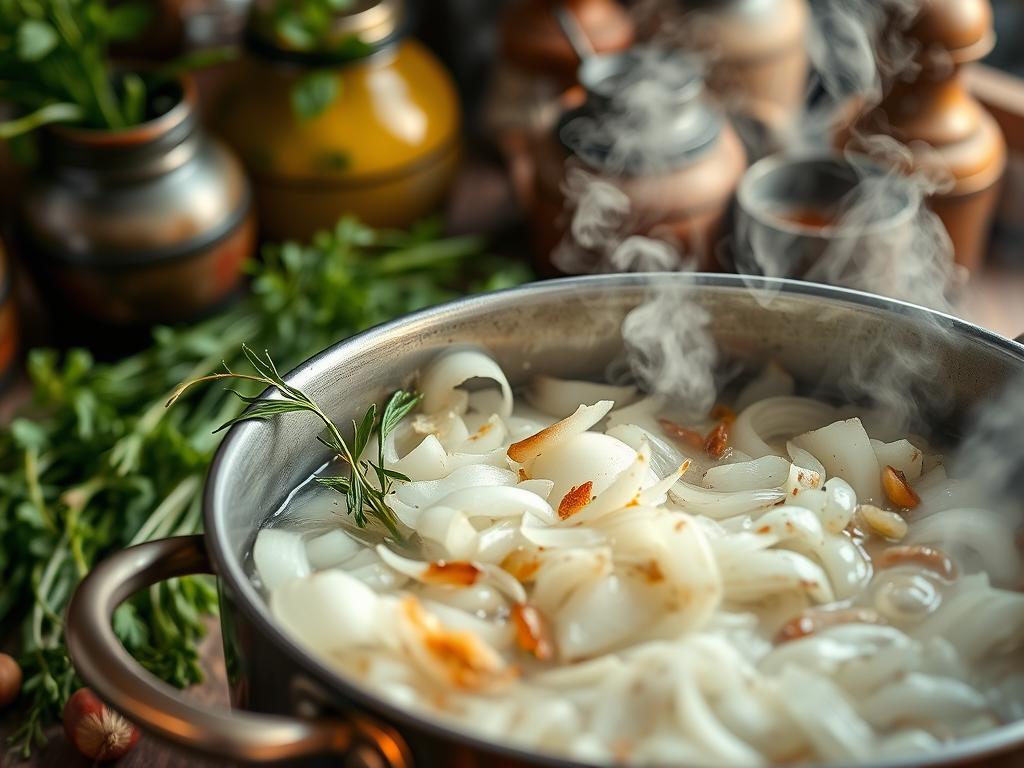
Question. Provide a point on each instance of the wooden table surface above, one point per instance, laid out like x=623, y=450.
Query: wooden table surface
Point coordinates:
x=994, y=299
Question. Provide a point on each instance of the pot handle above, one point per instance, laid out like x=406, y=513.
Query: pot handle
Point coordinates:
x=117, y=678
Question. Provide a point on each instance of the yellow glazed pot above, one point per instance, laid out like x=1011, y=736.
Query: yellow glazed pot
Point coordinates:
x=385, y=147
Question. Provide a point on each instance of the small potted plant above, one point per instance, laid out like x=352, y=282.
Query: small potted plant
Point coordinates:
x=132, y=214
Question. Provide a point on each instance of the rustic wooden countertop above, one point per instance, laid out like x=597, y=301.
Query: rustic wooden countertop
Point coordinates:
x=993, y=298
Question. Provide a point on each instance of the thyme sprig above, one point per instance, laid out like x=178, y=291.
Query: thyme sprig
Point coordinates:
x=363, y=497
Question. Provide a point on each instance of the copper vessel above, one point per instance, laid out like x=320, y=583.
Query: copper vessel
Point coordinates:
x=755, y=50
x=648, y=137
x=535, y=77
x=949, y=134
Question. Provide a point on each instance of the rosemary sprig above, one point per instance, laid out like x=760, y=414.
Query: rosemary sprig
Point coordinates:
x=363, y=497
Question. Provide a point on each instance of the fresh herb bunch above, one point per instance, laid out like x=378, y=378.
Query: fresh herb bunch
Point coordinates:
x=362, y=496
x=99, y=463
x=55, y=67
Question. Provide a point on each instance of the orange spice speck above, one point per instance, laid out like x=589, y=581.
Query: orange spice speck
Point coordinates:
x=717, y=441
x=458, y=573
x=532, y=632
x=898, y=489
x=576, y=499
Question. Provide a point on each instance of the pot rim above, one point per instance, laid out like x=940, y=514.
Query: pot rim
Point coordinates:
x=248, y=601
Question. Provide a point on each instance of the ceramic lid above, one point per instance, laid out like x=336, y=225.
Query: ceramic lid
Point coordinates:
x=645, y=112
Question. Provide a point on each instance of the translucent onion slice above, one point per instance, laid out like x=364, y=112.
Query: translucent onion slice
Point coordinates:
x=643, y=413
x=539, y=486
x=772, y=381
x=901, y=454
x=759, y=426
x=720, y=505
x=331, y=611
x=761, y=574
x=279, y=556
x=589, y=457
x=840, y=504
x=427, y=461
x=456, y=658
x=765, y=472
x=544, y=534
x=800, y=480
x=665, y=457
x=423, y=493
x=451, y=529
x=560, y=397
x=499, y=501
x=805, y=459
x=420, y=571
x=602, y=616
x=624, y=490
x=980, y=533
x=497, y=541
x=331, y=549
x=844, y=449
x=564, y=571
x=580, y=421
x=485, y=437
x=917, y=698
x=452, y=369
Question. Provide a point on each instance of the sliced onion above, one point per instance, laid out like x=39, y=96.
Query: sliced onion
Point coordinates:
x=587, y=457
x=548, y=438
x=451, y=529
x=772, y=381
x=799, y=481
x=901, y=454
x=665, y=457
x=765, y=472
x=423, y=493
x=840, y=504
x=485, y=437
x=643, y=413
x=499, y=501
x=759, y=426
x=498, y=541
x=560, y=397
x=452, y=369
x=279, y=556
x=844, y=449
x=719, y=504
x=539, y=486
x=543, y=534
x=762, y=574
x=331, y=549
x=625, y=489
x=419, y=570
x=427, y=461
x=331, y=611
x=805, y=459
x=986, y=534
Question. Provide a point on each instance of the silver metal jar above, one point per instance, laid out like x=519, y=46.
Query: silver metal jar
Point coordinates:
x=128, y=228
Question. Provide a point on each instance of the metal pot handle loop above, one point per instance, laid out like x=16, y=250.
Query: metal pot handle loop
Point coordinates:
x=117, y=678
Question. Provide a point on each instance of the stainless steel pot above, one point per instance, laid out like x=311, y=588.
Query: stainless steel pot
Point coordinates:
x=566, y=327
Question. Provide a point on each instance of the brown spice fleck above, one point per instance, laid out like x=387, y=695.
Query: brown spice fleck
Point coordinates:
x=650, y=571
x=681, y=434
x=717, y=441
x=522, y=565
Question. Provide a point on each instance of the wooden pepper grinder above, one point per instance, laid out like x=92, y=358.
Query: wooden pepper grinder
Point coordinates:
x=947, y=131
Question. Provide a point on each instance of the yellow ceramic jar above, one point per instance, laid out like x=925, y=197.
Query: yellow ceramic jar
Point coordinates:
x=385, y=147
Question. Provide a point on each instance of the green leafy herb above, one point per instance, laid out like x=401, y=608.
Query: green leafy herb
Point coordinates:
x=55, y=68
x=313, y=93
x=362, y=496
x=98, y=463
